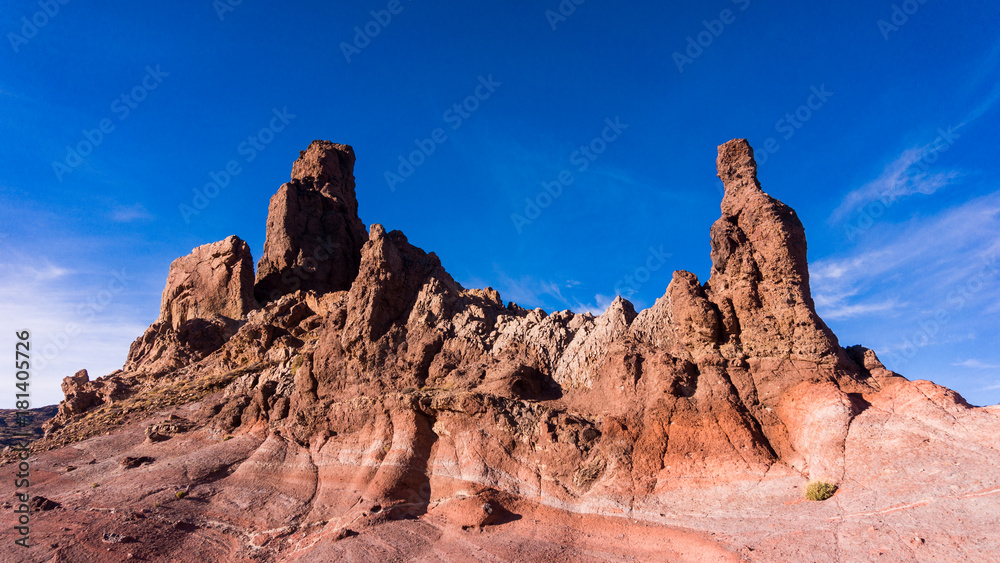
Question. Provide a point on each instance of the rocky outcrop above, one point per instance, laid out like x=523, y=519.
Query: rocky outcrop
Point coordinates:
x=314, y=235
x=380, y=391
x=760, y=274
x=79, y=397
x=214, y=280
x=82, y=394
x=207, y=294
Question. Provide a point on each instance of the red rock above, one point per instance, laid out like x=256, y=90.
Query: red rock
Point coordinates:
x=207, y=293
x=760, y=274
x=388, y=399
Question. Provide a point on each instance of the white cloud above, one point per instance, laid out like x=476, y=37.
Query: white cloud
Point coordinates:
x=77, y=321
x=933, y=252
x=842, y=311
x=911, y=276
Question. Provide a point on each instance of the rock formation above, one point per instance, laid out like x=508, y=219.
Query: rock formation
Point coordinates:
x=214, y=280
x=208, y=293
x=314, y=234
x=366, y=405
x=760, y=275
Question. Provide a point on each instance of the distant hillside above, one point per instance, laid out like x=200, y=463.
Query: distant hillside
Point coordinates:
x=8, y=423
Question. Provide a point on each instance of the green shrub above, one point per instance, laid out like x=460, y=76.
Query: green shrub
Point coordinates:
x=297, y=363
x=181, y=494
x=820, y=490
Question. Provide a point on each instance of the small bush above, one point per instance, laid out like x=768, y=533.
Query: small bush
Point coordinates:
x=227, y=438
x=94, y=485
x=181, y=494
x=297, y=363
x=820, y=490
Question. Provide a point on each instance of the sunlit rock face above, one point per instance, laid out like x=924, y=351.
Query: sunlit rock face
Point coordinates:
x=354, y=401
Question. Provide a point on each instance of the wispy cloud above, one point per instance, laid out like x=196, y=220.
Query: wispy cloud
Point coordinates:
x=941, y=262
x=908, y=174
x=840, y=310
x=40, y=272
x=530, y=292
x=130, y=213
x=914, y=171
x=76, y=320
x=936, y=250
x=976, y=364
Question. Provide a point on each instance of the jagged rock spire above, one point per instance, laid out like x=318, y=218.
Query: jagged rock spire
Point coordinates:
x=314, y=235
x=760, y=274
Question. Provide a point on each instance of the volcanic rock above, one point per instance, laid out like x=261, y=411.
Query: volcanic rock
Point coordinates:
x=214, y=280
x=79, y=395
x=381, y=396
x=760, y=275
x=129, y=462
x=314, y=235
x=206, y=295
x=40, y=503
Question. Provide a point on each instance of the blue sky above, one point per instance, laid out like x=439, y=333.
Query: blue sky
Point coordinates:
x=874, y=120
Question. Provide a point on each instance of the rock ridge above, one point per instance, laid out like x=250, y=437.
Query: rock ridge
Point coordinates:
x=367, y=386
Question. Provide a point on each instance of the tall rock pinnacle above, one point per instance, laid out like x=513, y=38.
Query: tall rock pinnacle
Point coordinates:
x=314, y=234
x=760, y=275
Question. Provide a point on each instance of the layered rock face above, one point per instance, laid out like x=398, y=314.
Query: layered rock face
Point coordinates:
x=314, y=234
x=379, y=392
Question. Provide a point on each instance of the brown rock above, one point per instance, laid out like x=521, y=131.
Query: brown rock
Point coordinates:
x=214, y=280
x=389, y=399
x=80, y=396
x=129, y=462
x=392, y=274
x=40, y=503
x=165, y=430
x=314, y=235
x=207, y=294
x=760, y=275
